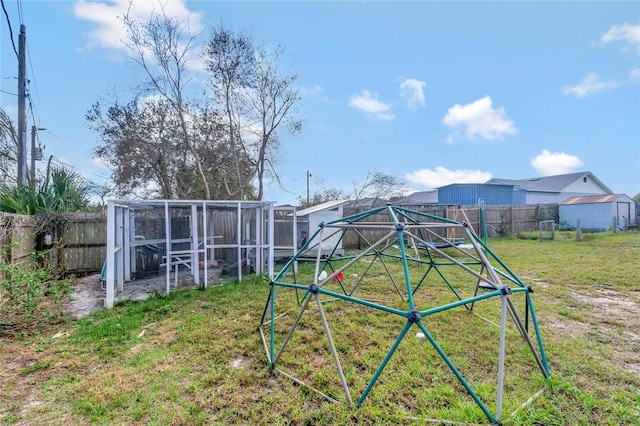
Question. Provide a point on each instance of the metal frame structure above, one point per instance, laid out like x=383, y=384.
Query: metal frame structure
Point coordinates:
x=403, y=235
x=253, y=240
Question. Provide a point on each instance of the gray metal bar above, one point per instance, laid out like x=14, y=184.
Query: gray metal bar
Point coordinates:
x=343, y=380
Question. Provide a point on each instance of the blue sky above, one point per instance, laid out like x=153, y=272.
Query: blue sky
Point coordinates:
x=432, y=93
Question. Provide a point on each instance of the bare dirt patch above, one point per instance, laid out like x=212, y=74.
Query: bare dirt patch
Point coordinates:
x=611, y=304
x=618, y=326
x=612, y=319
x=89, y=293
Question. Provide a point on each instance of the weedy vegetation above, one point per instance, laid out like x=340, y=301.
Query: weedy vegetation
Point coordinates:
x=196, y=357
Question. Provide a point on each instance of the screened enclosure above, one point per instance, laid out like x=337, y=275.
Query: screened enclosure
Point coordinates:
x=166, y=238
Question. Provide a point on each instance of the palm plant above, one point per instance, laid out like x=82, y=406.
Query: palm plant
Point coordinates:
x=68, y=192
x=65, y=192
x=19, y=199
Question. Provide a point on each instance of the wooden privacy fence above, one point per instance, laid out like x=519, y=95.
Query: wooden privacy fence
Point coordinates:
x=75, y=243
x=17, y=242
x=17, y=238
x=78, y=241
x=499, y=220
x=81, y=243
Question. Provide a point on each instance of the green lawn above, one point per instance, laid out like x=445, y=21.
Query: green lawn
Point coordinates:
x=196, y=357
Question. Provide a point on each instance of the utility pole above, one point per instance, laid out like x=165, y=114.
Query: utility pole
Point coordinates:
x=34, y=155
x=308, y=176
x=22, y=112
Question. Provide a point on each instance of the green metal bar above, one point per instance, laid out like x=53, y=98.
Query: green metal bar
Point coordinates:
x=430, y=216
x=517, y=281
x=292, y=285
x=266, y=306
x=296, y=256
x=460, y=303
x=383, y=364
x=405, y=267
x=399, y=227
x=523, y=332
x=424, y=276
x=333, y=271
x=363, y=275
x=483, y=221
x=503, y=340
x=322, y=239
x=357, y=216
x=526, y=314
x=456, y=262
x=348, y=298
x=395, y=285
x=446, y=281
x=547, y=372
x=407, y=217
x=392, y=214
x=455, y=371
x=363, y=302
x=363, y=254
x=272, y=327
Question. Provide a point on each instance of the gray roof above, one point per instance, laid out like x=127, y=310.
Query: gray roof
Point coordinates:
x=419, y=198
x=368, y=203
x=555, y=183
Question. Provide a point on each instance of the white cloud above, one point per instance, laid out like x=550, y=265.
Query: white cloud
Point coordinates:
x=442, y=176
x=627, y=34
x=412, y=91
x=110, y=31
x=550, y=163
x=480, y=119
x=591, y=83
x=369, y=103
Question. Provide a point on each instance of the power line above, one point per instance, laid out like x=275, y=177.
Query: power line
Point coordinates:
x=9, y=93
x=33, y=114
x=19, y=3
x=33, y=74
x=10, y=29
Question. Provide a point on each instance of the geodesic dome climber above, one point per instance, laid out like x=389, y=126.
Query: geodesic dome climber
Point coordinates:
x=341, y=323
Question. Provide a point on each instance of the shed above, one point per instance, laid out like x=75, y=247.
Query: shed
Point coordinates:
x=310, y=219
x=598, y=212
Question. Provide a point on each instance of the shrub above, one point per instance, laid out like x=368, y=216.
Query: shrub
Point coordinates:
x=33, y=296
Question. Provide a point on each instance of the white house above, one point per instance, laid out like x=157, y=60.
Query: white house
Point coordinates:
x=554, y=189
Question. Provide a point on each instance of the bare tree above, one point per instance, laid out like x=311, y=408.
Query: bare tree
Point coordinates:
x=378, y=187
x=163, y=44
x=273, y=100
x=326, y=194
x=228, y=57
x=8, y=149
x=256, y=98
